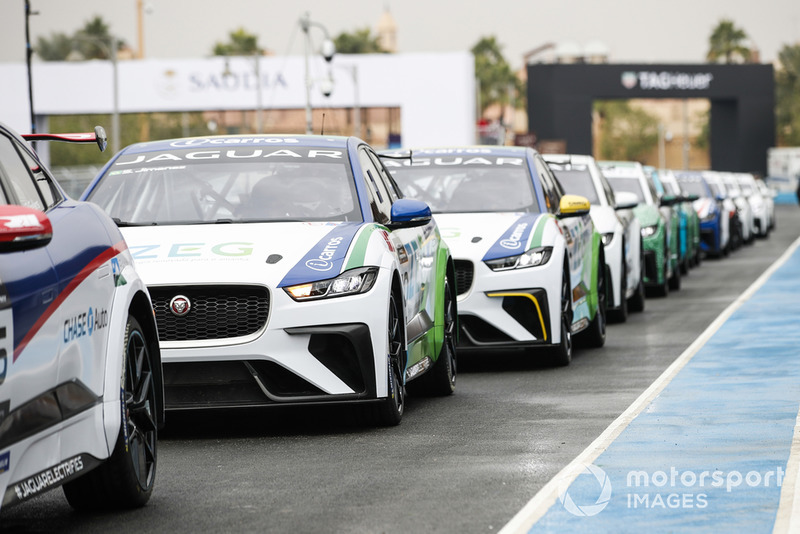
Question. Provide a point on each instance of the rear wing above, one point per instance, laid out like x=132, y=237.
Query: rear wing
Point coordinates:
x=98, y=136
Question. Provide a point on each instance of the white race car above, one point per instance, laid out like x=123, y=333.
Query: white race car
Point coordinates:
x=285, y=270
x=613, y=217
x=528, y=259
x=81, y=396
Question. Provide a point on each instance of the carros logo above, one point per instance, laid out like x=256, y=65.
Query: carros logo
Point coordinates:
x=513, y=241
x=324, y=262
x=231, y=141
x=319, y=264
x=599, y=485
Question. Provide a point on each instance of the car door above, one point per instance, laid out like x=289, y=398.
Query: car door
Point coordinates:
x=577, y=233
x=408, y=242
x=30, y=331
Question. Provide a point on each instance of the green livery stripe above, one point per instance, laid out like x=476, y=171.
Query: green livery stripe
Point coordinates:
x=359, y=250
x=538, y=232
x=593, y=294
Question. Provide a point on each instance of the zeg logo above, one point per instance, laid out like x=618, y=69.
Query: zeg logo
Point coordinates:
x=319, y=264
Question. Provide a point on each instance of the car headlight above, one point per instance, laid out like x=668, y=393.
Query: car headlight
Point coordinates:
x=607, y=238
x=349, y=282
x=532, y=258
x=647, y=231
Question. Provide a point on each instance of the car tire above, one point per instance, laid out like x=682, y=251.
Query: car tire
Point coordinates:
x=389, y=411
x=440, y=380
x=126, y=479
x=620, y=314
x=562, y=353
x=595, y=335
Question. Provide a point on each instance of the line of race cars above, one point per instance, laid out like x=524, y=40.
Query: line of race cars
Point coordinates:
x=274, y=270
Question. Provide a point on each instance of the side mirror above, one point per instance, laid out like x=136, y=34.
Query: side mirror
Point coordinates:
x=626, y=200
x=23, y=228
x=692, y=198
x=409, y=213
x=573, y=206
x=669, y=200
x=720, y=197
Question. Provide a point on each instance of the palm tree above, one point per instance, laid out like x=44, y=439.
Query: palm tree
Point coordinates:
x=726, y=42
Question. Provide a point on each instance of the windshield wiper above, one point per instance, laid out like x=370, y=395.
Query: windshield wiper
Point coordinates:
x=122, y=224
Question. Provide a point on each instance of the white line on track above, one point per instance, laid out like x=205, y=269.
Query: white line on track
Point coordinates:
x=538, y=506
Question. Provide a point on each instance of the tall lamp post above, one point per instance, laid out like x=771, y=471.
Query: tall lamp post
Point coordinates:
x=111, y=51
x=328, y=50
x=28, y=55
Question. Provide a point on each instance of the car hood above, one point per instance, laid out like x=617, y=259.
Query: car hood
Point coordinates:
x=647, y=214
x=487, y=236
x=275, y=254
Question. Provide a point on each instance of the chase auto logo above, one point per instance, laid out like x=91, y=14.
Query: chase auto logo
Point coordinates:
x=179, y=306
x=513, y=242
x=629, y=79
x=324, y=262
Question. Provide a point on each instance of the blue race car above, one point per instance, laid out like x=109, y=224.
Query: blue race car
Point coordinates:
x=714, y=228
x=80, y=372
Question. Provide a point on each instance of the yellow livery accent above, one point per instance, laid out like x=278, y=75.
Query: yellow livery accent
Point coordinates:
x=535, y=303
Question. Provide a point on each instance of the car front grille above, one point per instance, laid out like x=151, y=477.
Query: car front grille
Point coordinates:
x=216, y=312
x=465, y=271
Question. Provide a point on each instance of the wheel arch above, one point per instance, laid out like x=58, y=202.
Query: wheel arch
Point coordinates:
x=142, y=309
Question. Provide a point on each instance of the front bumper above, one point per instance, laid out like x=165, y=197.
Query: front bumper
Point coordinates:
x=509, y=309
x=330, y=350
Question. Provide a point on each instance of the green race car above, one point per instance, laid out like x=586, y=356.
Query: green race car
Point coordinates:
x=661, y=272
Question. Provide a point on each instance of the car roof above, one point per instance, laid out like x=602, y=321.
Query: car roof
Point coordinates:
x=469, y=150
x=227, y=141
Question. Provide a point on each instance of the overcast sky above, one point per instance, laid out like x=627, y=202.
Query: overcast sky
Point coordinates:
x=650, y=31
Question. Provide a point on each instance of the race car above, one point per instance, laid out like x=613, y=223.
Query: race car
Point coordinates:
x=81, y=397
x=668, y=206
x=714, y=223
x=689, y=221
x=529, y=262
x=613, y=217
x=285, y=270
x=759, y=204
x=655, y=225
x=735, y=231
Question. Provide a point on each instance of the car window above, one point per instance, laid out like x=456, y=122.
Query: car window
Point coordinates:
x=576, y=179
x=388, y=181
x=16, y=174
x=466, y=183
x=242, y=184
x=44, y=182
x=552, y=189
x=380, y=202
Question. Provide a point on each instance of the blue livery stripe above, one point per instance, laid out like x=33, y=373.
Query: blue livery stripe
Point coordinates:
x=325, y=259
x=514, y=240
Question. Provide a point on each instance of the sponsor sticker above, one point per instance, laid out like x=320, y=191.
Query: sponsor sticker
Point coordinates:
x=326, y=257
x=515, y=239
x=5, y=461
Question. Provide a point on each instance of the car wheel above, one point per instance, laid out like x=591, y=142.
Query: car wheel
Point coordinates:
x=126, y=479
x=620, y=314
x=596, y=333
x=562, y=354
x=440, y=380
x=389, y=411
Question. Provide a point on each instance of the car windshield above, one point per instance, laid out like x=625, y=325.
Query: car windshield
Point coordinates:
x=694, y=187
x=576, y=180
x=242, y=184
x=630, y=185
x=466, y=184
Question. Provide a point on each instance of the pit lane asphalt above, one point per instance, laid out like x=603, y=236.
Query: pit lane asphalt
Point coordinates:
x=465, y=463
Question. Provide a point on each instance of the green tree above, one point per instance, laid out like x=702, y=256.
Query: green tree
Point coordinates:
x=241, y=43
x=727, y=42
x=359, y=42
x=495, y=75
x=787, y=96
x=626, y=133
x=91, y=42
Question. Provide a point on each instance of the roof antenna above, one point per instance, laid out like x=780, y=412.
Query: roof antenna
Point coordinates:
x=322, y=130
